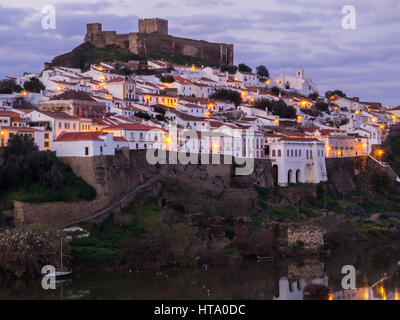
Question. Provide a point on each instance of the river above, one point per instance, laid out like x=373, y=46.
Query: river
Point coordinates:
x=262, y=280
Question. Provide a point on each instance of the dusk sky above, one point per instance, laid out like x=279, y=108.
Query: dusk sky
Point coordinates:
x=281, y=34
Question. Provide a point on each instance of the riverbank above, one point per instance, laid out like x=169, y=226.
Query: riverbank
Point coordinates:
x=189, y=226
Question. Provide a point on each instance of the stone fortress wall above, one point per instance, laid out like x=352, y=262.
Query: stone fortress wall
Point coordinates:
x=153, y=38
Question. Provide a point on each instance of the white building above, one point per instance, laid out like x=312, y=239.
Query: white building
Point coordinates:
x=299, y=83
x=86, y=144
x=248, y=79
x=298, y=160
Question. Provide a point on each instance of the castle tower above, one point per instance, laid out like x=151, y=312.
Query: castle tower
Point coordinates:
x=94, y=34
x=154, y=25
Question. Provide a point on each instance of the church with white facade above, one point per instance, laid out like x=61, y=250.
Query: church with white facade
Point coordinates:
x=298, y=83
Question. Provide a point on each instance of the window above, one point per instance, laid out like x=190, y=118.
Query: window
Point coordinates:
x=101, y=149
x=279, y=153
x=86, y=151
x=273, y=153
x=46, y=144
x=46, y=135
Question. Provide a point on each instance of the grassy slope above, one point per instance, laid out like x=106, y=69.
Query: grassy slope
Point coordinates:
x=73, y=189
x=96, y=55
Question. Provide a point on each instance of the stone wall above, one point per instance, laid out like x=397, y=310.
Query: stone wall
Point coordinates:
x=341, y=172
x=312, y=237
x=53, y=214
x=153, y=38
x=114, y=177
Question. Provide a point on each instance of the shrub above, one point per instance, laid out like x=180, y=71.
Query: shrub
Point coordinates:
x=230, y=95
x=24, y=251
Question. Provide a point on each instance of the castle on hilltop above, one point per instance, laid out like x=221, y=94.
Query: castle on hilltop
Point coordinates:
x=153, y=37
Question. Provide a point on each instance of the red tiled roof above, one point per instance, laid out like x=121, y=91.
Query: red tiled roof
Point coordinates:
x=58, y=115
x=131, y=126
x=19, y=128
x=79, y=136
x=117, y=79
x=181, y=80
x=120, y=139
x=298, y=139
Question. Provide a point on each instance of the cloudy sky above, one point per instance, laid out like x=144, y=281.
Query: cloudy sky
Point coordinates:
x=281, y=34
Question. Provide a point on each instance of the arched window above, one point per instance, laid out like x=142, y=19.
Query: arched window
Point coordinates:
x=273, y=153
x=279, y=153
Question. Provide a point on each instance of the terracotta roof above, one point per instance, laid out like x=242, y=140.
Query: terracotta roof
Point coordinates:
x=120, y=139
x=79, y=136
x=298, y=139
x=117, y=79
x=131, y=126
x=181, y=80
x=58, y=115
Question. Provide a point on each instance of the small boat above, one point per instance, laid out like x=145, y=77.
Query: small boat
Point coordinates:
x=264, y=258
x=62, y=274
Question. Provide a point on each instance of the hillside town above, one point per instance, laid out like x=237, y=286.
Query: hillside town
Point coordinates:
x=93, y=112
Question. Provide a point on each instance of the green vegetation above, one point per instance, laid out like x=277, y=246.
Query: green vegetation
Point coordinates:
x=245, y=68
x=230, y=95
x=340, y=93
x=9, y=86
x=107, y=242
x=394, y=157
x=93, y=55
x=321, y=106
x=228, y=68
x=277, y=108
x=262, y=72
x=167, y=79
x=313, y=96
x=33, y=85
x=37, y=176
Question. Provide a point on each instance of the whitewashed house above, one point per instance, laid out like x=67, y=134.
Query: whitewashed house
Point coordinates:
x=298, y=160
x=86, y=144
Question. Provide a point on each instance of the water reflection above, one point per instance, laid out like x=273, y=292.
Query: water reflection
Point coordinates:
x=269, y=280
x=294, y=289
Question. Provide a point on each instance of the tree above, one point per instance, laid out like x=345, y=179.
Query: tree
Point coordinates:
x=313, y=96
x=33, y=85
x=262, y=71
x=278, y=108
x=19, y=146
x=245, y=68
x=21, y=102
x=228, y=68
x=337, y=92
x=9, y=86
x=275, y=90
x=321, y=106
x=167, y=79
x=227, y=94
